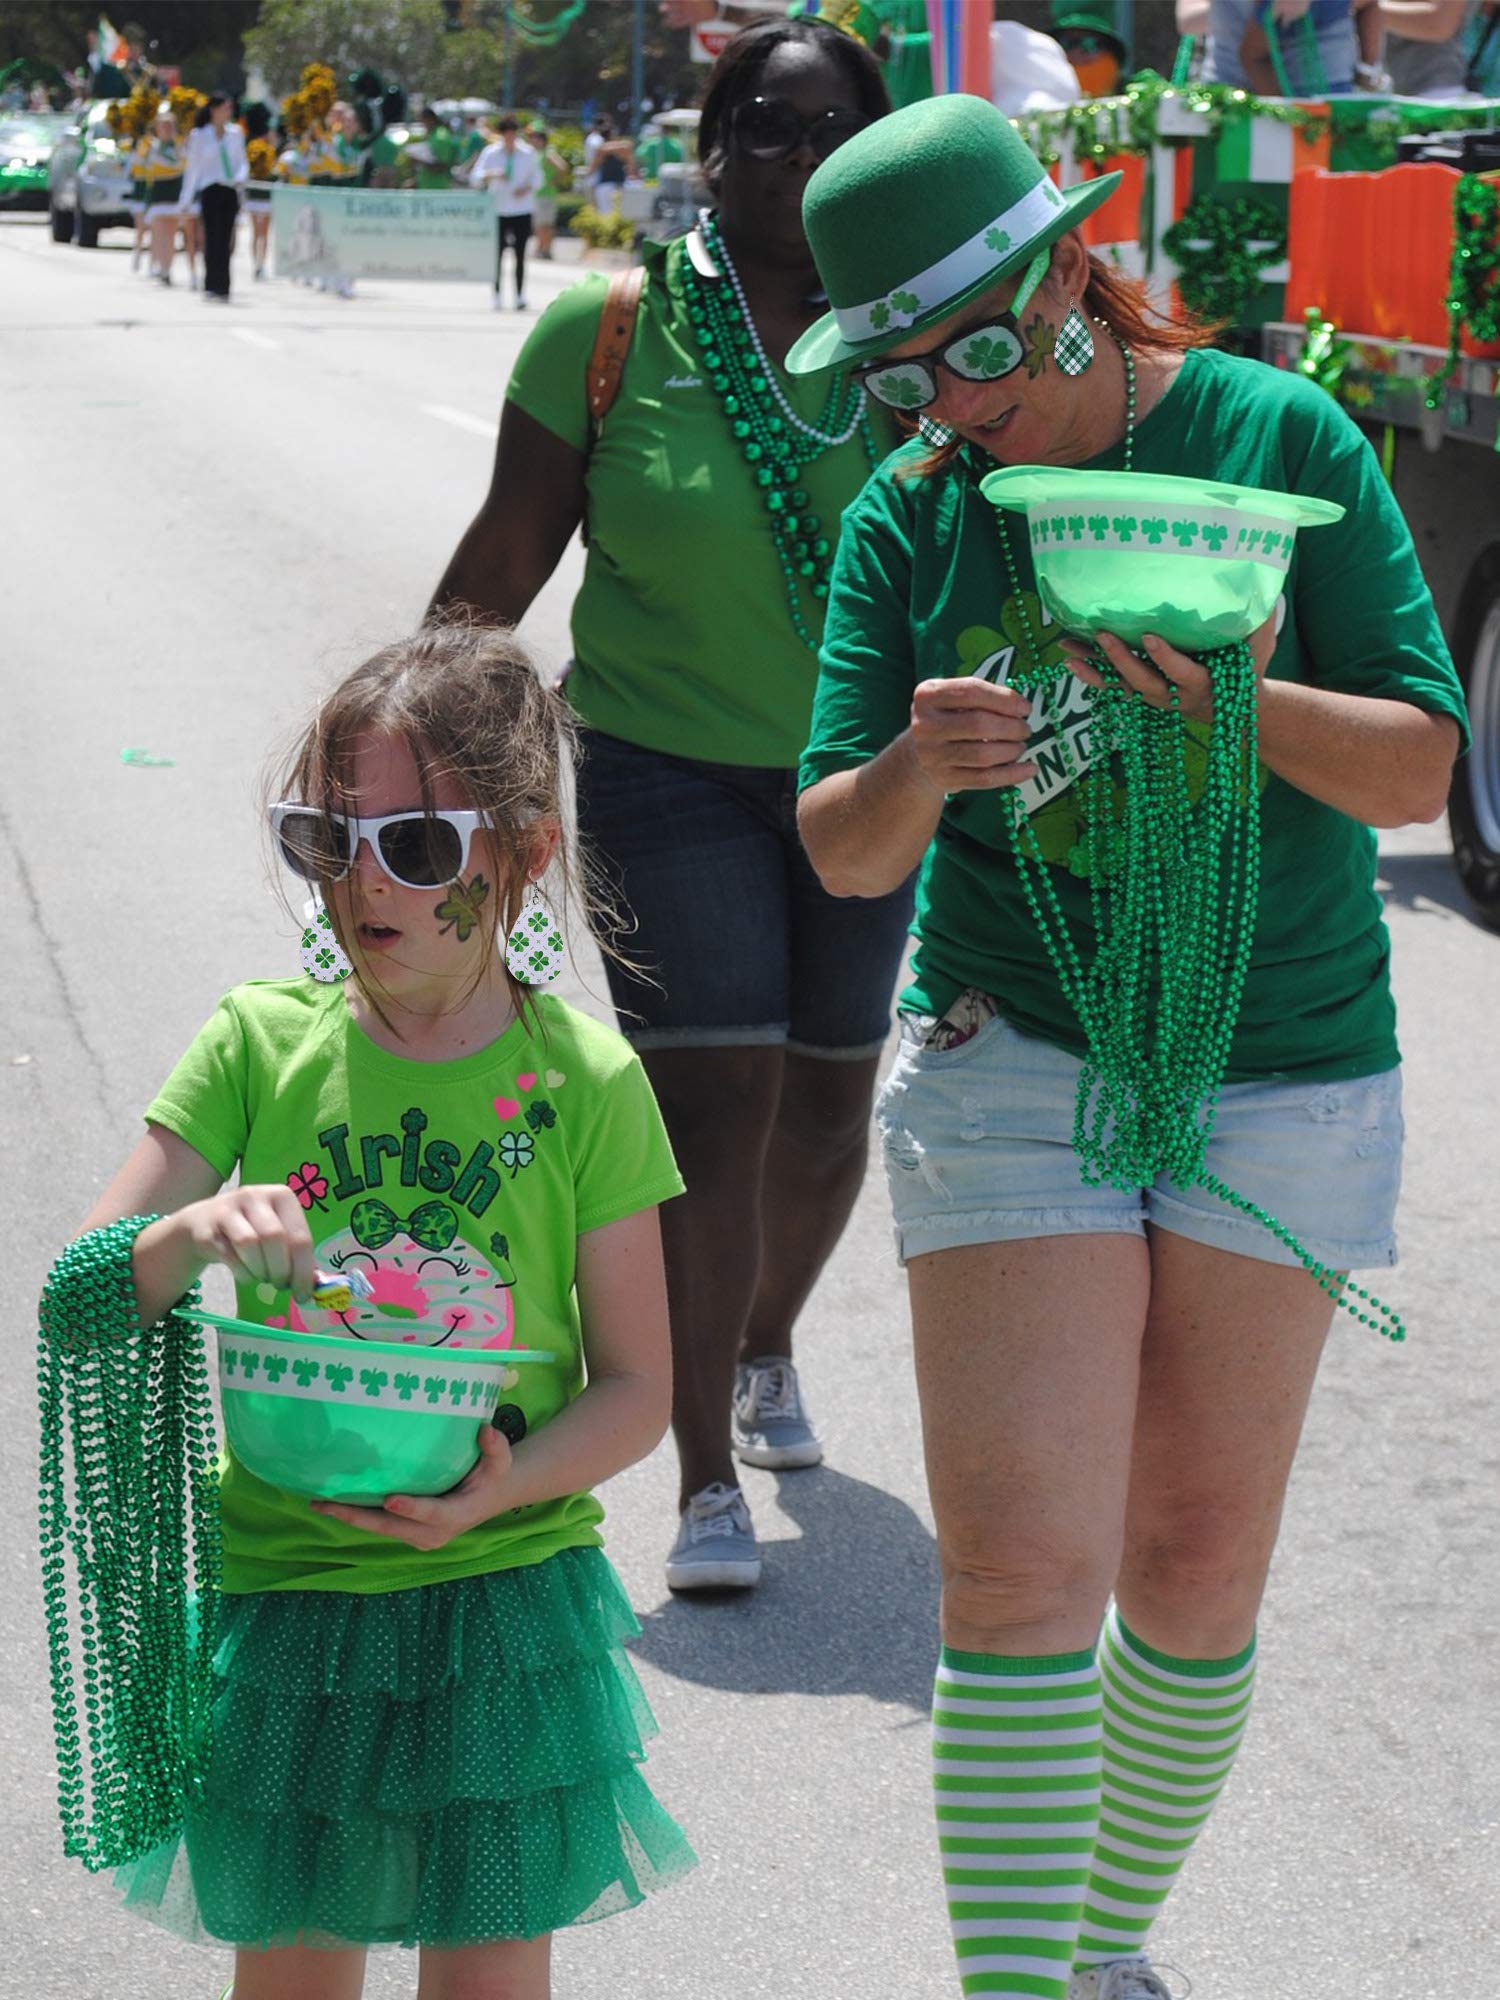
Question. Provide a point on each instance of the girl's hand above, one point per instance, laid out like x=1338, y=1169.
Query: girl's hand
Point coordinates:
x=969, y=735
x=429, y=1523
x=1164, y=668
x=259, y=1232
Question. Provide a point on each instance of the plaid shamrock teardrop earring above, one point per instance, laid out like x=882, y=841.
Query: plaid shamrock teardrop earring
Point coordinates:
x=1074, y=352
x=937, y=435
x=534, y=951
x=321, y=953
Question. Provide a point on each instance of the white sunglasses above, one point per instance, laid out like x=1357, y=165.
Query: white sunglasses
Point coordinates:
x=420, y=850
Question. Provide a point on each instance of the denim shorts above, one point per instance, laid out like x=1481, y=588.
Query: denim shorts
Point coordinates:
x=746, y=944
x=978, y=1149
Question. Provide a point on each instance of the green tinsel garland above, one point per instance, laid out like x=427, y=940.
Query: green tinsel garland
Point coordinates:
x=130, y=1561
x=1104, y=127
x=1473, y=277
x=1324, y=356
x=541, y=34
x=1218, y=273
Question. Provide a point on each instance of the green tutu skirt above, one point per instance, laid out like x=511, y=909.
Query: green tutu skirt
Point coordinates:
x=446, y=1765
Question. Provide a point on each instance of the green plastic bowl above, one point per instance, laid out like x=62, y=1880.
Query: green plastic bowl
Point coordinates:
x=355, y=1420
x=1199, y=563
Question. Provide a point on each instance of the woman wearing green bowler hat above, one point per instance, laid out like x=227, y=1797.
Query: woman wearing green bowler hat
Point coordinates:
x=712, y=489
x=1112, y=1379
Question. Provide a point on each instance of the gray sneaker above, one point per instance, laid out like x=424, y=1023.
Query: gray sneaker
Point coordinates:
x=771, y=1428
x=715, y=1547
x=1124, y=1979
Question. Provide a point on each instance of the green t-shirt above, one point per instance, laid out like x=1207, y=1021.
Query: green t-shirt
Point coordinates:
x=524, y=1145
x=650, y=153
x=682, y=631
x=920, y=592
x=438, y=172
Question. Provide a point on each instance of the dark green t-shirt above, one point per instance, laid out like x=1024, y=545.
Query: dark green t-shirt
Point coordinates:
x=682, y=631
x=920, y=591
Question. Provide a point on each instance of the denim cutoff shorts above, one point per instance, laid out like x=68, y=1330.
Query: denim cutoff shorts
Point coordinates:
x=978, y=1143
x=743, y=940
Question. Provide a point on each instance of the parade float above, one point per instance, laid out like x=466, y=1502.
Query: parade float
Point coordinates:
x=1358, y=241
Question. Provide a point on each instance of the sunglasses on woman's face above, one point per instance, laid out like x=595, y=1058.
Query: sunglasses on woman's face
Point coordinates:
x=420, y=850
x=984, y=353
x=768, y=128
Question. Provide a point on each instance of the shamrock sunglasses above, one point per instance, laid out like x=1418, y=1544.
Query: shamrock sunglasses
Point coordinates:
x=984, y=353
x=420, y=850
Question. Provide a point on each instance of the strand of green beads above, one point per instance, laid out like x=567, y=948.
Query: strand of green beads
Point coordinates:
x=774, y=448
x=773, y=457
x=131, y=1558
x=1143, y=1111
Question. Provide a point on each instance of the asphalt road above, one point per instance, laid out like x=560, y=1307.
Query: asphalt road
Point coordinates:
x=209, y=514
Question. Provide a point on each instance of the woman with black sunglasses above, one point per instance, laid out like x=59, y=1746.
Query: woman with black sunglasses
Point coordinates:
x=713, y=490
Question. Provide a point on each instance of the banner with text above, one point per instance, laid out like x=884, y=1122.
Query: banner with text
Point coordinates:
x=383, y=233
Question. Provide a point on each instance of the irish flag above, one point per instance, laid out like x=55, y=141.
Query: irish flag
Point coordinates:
x=111, y=41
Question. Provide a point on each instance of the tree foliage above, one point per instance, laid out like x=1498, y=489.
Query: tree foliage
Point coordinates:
x=201, y=37
x=405, y=40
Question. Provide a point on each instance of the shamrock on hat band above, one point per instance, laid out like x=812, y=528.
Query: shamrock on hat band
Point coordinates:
x=956, y=272
x=920, y=214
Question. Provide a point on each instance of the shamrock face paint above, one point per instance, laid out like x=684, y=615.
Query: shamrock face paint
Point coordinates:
x=460, y=908
x=1040, y=337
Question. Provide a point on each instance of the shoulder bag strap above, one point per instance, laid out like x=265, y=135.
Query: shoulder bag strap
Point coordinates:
x=612, y=343
x=611, y=351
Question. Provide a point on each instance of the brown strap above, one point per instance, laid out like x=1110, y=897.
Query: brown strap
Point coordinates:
x=612, y=342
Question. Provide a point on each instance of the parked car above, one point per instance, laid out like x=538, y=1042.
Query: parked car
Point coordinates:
x=26, y=142
x=88, y=180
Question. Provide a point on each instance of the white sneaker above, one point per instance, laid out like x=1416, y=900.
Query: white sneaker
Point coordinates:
x=771, y=1427
x=521, y=305
x=1126, y=1979
x=494, y=302
x=715, y=1547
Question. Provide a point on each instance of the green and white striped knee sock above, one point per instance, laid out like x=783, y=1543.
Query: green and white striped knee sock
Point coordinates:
x=1016, y=1758
x=1171, y=1730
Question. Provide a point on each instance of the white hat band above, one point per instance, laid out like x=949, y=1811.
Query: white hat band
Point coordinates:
x=956, y=272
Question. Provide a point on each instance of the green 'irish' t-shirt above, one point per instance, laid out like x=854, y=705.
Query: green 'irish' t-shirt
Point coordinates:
x=460, y=1190
x=683, y=637
x=920, y=591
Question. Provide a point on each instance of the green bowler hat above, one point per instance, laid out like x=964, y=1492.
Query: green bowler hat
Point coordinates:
x=1095, y=18
x=918, y=214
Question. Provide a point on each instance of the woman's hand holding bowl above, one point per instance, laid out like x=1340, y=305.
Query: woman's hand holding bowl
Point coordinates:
x=969, y=735
x=1155, y=677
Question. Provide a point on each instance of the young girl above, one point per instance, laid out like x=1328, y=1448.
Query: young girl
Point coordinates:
x=161, y=162
x=136, y=203
x=261, y=155
x=425, y=1729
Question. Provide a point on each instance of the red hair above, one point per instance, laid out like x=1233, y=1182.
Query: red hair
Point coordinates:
x=1126, y=307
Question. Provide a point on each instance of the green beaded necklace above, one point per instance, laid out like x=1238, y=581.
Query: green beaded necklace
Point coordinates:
x=774, y=440
x=1174, y=881
x=130, y=1565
